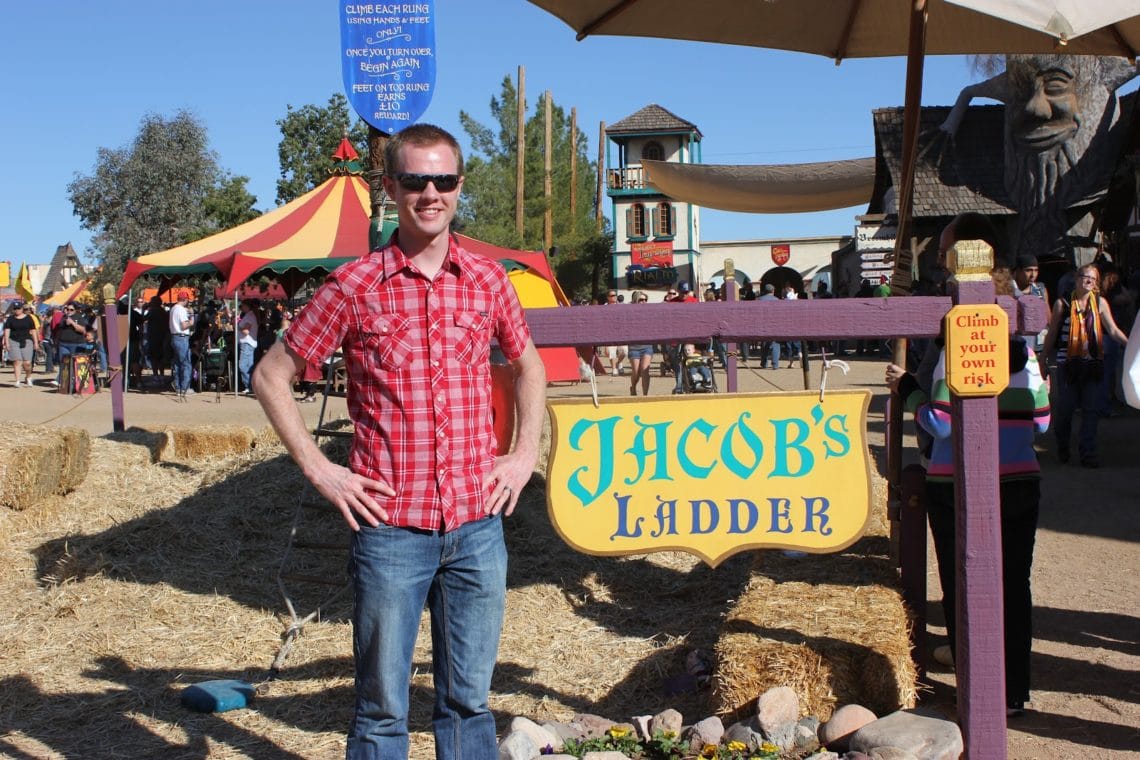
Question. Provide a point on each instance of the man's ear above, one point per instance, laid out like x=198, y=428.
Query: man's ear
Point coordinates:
x=389, y=185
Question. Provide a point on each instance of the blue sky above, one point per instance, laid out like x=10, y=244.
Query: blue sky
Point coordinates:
x=79, y=75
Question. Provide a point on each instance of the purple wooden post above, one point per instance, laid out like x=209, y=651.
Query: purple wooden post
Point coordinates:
x=980, y=658
x=114, y=355
x=730, y=348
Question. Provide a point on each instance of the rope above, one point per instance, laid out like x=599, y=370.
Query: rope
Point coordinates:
x=111, y=373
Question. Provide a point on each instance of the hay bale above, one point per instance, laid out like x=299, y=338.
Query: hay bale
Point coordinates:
x=832, y=627
x=209, y=441
x=39, y=462
x=144, y=446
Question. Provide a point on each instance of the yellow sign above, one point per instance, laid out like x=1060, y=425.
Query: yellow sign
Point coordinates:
x=710, y=477
x=977, y=350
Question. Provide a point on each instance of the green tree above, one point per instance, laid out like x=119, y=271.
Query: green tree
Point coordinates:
x=487, y=207
x=227, y=204
x=149, y=195
x=309, y=136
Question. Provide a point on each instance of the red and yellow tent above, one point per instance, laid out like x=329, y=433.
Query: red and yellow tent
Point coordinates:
x=328, y=222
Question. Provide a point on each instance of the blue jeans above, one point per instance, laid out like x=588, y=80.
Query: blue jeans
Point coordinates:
x=245, y=364
x=1086, y=395
x=461, y=575
x=180, y=345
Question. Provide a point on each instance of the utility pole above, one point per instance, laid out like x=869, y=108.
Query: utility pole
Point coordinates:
x=547, y=189
x=601, y=174
x=520, y=151
x=573, y=162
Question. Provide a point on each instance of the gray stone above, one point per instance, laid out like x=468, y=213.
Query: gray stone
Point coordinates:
x=592, y=726
x=559, y=756
x=825, y=756
x=607, y=755
x=805, y=736
x=641, y=725
x=541, y=736
x=854, y=755
x=890, y=753
x=666, y=720
x=836, y=733
x=707, y=731
x=925, y=737
x=517, y=746
x=745, y=732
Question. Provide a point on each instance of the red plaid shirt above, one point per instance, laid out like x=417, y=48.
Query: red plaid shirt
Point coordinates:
x=417, y=354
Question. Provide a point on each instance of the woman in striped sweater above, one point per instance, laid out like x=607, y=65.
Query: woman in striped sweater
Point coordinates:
x=1023, y=412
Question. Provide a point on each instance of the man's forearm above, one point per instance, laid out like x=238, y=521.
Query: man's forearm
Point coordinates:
x=273, y=380
x=530, y=401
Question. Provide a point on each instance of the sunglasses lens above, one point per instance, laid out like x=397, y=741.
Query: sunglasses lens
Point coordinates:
x=414, y=183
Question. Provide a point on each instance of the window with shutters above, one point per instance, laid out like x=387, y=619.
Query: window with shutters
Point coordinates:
x=635, y=226
x=663, y=220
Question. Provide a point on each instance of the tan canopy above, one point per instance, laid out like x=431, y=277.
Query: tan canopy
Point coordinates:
x=770, y=189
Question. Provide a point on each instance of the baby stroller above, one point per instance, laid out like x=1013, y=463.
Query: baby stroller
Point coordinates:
x=697, y=374
x=214, y=370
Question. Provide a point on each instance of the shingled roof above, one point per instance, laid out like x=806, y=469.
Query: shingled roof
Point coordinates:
x=951, y=176
x=65, y=259
x=652, y=118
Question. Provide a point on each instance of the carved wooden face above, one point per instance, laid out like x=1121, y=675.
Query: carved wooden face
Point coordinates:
x=1045, y=110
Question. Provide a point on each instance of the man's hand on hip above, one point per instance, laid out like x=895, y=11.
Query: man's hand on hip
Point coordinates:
x=349, y=493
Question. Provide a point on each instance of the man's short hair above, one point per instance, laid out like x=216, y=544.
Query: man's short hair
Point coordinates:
x=769, y=288
x=422, y=136
x=1025, y=261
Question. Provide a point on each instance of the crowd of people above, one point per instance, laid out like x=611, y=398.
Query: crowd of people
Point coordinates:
x=163, y=350
x=39, y=334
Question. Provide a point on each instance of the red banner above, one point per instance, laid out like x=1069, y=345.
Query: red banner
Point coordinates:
x=781, y=254
x=655, y=254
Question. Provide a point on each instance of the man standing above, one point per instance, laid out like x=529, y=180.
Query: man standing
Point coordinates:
x=424, y=492
x=181, y=325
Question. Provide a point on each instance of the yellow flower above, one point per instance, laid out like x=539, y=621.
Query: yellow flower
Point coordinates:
x=617, y=732
x=709, y=750
x=769, y=747
x=737, y=746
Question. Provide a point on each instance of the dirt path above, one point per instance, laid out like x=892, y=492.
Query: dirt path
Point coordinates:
x=1086, y=664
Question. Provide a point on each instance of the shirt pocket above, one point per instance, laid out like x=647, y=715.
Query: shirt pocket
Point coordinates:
x=472, y=337
x=387, y=341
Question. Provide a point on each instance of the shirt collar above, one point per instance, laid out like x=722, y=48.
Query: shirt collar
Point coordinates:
x=393, y=259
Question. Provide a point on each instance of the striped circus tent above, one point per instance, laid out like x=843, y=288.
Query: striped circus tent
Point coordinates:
x=330, y=221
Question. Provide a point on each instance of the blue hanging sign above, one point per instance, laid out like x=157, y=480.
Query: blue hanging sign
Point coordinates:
x=388, y=60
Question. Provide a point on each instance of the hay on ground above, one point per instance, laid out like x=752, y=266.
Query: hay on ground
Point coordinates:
x=37, y=463
x=832, y=627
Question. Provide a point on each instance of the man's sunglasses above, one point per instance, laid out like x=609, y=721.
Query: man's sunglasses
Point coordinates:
x=414, y=183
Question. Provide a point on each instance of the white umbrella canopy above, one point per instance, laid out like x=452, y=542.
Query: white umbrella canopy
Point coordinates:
x=869, y=28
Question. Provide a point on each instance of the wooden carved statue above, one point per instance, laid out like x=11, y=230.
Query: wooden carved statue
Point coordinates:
x=1060, y=145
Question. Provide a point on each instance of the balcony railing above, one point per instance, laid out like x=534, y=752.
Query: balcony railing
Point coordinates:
x=627, y=178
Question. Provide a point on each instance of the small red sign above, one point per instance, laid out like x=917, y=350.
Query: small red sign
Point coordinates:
x=654, y=254
x=781, y=254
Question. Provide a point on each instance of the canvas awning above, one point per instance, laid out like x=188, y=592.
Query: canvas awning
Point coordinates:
x=768, y=189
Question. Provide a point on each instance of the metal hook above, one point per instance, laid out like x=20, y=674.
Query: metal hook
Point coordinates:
x=828, y=364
